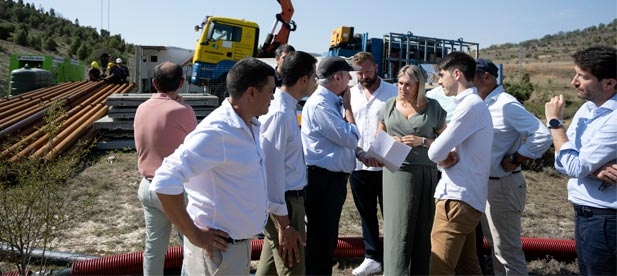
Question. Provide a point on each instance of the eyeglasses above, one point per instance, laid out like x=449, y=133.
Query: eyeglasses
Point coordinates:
x=313, y=75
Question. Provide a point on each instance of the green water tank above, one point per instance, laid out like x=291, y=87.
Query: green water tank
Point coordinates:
x=27, y=79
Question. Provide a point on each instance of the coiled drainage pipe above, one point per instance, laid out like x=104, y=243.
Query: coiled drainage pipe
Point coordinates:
x=347, y=247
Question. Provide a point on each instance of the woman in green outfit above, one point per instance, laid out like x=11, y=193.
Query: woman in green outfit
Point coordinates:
x=415, y=120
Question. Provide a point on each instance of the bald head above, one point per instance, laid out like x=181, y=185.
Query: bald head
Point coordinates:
x=167, y=77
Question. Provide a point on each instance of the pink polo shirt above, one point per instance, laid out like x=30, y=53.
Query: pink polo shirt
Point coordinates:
x=160, y=125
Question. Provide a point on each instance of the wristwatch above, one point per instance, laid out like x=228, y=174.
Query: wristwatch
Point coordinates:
x=554, y=123
x=424, y=143
x=512, y=159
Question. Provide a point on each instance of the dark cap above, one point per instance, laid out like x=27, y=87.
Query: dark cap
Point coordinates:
x=485, y=65
x=331, y=65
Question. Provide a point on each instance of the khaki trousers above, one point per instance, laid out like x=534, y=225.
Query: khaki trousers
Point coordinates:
x=270, y=262
x=236, y=260
x=501, y=224
x=453, y=239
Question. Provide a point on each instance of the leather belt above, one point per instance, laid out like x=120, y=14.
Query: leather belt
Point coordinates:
x=497, y=178
x=326, y=171
x=232, y=241
x=296, y=193
x=587, y=211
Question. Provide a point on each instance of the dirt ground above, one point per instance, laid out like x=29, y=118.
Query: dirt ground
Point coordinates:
x=115, y=223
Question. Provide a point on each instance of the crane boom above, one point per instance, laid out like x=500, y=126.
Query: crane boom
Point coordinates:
x=273, y=41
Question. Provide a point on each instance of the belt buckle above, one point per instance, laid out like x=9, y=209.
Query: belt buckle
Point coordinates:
x=582, y=210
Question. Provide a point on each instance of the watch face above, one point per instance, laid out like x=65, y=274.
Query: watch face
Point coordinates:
x=554, y=123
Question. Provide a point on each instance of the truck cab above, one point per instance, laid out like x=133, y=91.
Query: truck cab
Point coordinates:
x=223, y=42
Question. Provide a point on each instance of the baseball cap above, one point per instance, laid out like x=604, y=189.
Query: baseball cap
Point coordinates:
x=485, y=65
x=331, y=65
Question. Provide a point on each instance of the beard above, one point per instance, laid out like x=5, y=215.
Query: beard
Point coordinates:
x=369, y=82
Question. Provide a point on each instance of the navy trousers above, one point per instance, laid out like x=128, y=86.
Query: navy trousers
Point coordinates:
x=325, y=195
x=367, y=191
x=595, y=233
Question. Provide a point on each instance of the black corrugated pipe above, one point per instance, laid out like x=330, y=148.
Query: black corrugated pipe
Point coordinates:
x=347, y=247
x=53, y=257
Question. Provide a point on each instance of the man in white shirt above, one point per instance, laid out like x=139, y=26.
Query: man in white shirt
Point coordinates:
x=461, y=191
x=367, y=99
x=284, y=236
x=221, y=168
x=448, y=104
x=279, y=56
x=518, y=136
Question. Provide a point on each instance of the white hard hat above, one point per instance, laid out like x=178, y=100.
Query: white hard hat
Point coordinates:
x=118, y=60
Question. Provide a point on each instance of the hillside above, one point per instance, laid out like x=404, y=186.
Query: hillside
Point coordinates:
x=548, y=58
x=554, y=47
x=25, y=29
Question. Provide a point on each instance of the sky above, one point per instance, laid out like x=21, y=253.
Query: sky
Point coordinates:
x=171, y=23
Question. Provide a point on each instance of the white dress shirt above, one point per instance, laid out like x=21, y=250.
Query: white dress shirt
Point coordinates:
x=470, y=132
x=366, y=114
x=328, y=140
x=281, y=142
x=515, y=130
x=221, y=167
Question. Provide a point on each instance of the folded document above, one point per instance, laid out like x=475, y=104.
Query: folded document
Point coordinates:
x=389, y=152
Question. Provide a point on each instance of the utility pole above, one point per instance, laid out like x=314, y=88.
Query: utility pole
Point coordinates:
x=520, y=61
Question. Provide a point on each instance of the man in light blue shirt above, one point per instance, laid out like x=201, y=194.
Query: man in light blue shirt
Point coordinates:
x=517, y=137
x=329, y=144
x=587, y=152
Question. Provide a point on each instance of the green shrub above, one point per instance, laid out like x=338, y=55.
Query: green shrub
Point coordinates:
x=5, y=30
x=20, y=37
x=519, y=88
x=36, y=202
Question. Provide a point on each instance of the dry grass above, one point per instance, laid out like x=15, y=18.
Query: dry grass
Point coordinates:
x=116, y=221
x=116, y=225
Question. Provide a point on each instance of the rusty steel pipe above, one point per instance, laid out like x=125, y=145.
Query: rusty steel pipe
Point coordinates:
x=84, y=102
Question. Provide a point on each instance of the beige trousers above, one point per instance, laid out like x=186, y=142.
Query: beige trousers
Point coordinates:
x=501, y=224
x=453, y=239
x=236, y=260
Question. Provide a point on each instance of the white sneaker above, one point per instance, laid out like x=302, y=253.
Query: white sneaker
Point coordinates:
x=368, y=267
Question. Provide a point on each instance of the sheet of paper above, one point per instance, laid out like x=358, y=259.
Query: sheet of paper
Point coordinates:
x=387, y=151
